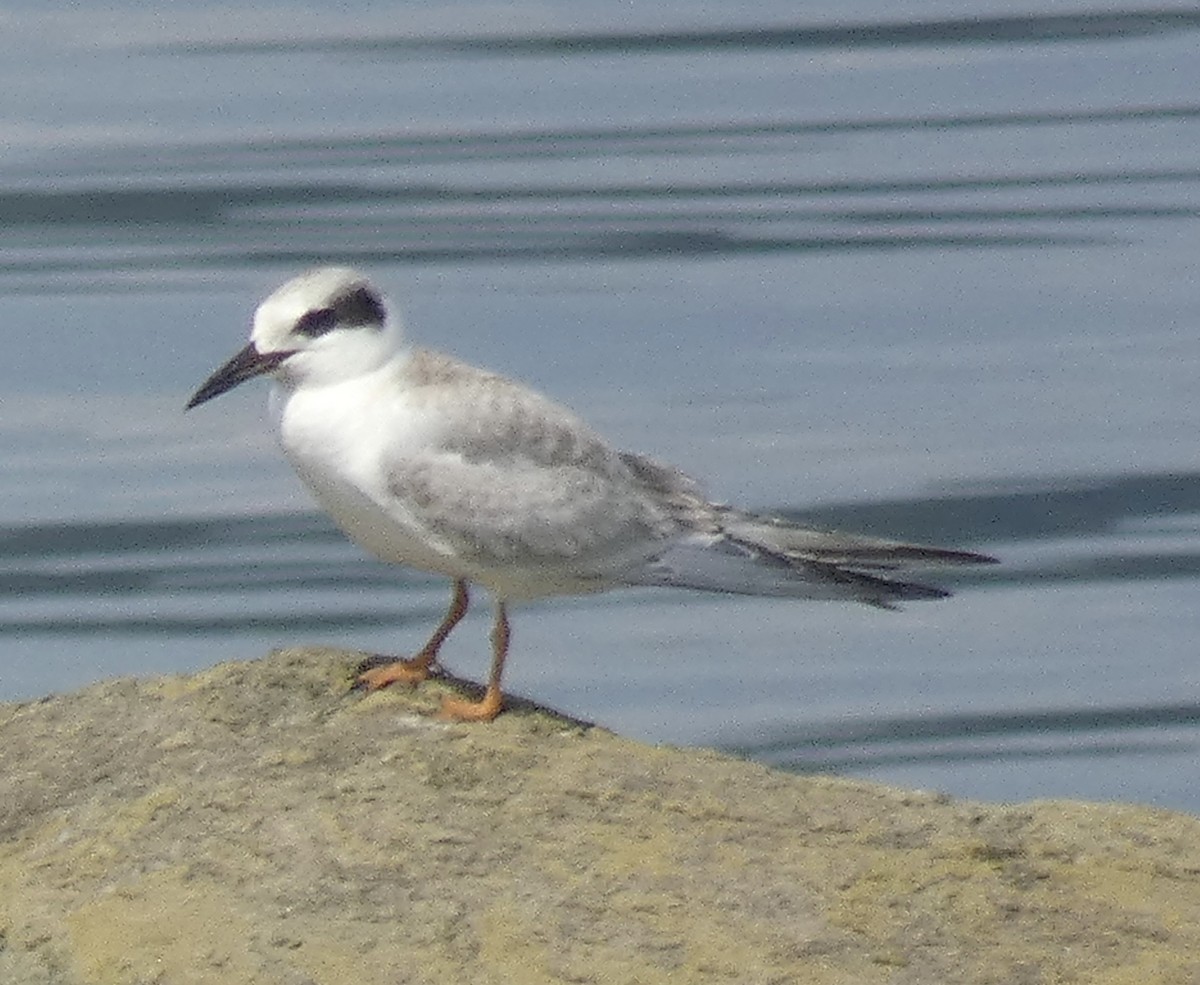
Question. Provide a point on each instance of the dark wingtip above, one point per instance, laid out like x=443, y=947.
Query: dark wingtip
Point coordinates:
x=911, y=591
x=916, y=555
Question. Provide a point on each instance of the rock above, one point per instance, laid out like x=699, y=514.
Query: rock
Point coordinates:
x=260, y=823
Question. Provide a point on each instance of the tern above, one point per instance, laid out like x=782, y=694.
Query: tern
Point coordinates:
x=432, y=463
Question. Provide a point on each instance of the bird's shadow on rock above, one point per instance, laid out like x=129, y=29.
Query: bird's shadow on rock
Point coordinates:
x=475, y=691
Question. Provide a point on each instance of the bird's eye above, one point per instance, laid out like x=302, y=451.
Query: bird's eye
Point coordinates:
x=317, y=322
x=360, y=306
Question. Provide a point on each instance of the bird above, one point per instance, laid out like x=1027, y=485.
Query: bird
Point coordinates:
x=426, y=461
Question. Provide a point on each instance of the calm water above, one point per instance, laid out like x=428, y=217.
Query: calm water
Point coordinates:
x=875, y=265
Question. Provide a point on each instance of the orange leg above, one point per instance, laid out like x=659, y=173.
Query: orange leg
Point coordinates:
x=493, y=701
x=417, y=669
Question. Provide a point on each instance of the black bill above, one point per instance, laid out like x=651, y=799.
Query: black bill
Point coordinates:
x=244, y=366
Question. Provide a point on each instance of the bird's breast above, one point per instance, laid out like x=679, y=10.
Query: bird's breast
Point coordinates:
x=343, y=449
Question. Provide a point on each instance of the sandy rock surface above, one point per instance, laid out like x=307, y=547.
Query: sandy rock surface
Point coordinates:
x=259, y=823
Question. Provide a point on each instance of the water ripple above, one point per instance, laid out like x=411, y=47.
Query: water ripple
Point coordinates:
x=1015, y=29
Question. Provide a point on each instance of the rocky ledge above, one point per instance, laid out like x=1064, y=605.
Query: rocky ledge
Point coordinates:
x=260, y=823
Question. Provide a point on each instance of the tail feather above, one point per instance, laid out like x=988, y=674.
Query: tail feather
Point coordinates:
x=720, y=564
x=758, y=556
x=834, y=547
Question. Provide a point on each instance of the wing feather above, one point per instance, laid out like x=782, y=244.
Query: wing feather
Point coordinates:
x=510, y=479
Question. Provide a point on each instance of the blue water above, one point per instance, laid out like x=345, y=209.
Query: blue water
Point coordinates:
x=876, y=265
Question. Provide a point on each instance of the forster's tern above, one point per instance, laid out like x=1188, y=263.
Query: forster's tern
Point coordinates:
x=426, y=461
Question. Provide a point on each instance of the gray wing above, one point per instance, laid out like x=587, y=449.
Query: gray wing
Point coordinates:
x=514, y=480
x=517, y=481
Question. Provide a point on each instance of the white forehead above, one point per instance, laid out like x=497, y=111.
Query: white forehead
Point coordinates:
x=286, y=305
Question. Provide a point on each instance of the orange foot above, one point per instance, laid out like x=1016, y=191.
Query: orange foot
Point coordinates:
x=409, y=672
x=473, y=711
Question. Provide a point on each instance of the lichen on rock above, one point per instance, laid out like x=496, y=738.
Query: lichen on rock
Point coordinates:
x=259, y=822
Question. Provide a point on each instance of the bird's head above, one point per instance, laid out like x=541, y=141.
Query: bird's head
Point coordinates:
x=323, y=326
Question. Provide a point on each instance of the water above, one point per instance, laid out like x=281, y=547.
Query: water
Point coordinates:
x=875, y=265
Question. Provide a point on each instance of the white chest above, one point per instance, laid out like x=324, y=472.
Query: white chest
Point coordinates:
x=343, y=443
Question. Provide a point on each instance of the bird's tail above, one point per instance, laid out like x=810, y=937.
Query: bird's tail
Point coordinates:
x=755, y=555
